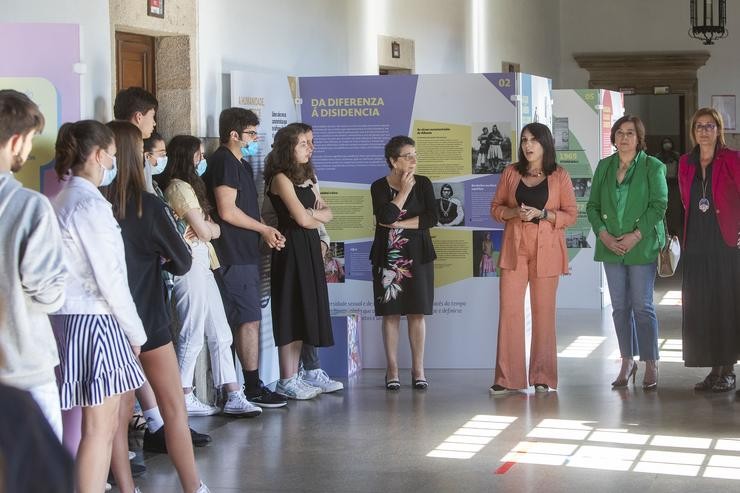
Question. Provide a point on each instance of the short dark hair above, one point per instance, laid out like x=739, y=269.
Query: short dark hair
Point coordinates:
x=235, y=120
x=393, y=147
x=541, y=134
x=76, y=141
x=18, y=115
x=132, y=100
x=153, y=139
x=639, y=128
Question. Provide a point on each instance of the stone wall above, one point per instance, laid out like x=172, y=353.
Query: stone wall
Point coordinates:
x=176, y=67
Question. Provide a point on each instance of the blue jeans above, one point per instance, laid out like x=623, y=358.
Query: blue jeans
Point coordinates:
x=631, y=289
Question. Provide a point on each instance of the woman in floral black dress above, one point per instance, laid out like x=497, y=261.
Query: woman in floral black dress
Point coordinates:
x=402, y=255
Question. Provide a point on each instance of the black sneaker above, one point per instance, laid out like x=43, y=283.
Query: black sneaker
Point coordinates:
x=265, y=397
x=155, y=442
x=199, y=439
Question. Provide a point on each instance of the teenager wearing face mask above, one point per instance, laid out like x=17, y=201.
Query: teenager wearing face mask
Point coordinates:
x=155, y=154
x=198, y=303
x=229, y=179
x=139, y=106
x=102, y=332
x=150, y=235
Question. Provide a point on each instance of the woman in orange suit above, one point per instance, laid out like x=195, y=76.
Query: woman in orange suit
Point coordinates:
x=535, y=200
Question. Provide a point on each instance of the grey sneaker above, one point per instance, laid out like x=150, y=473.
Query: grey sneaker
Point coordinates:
x=319, y=378
x=293, y=389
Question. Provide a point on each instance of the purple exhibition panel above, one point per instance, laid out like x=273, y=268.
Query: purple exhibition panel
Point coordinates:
x=479, y=193
x=50, y=52
x=34, y=56
x=353, y=118
x=357, y=261
x=505, y=83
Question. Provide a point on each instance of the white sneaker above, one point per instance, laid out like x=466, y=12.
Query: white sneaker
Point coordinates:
x=197, y=408
x=307, y=385
x=237, y=405
x=292, y=389
x=319, y=378
x=202, y=488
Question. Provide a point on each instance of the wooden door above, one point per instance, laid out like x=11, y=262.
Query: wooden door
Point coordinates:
x=135, y=61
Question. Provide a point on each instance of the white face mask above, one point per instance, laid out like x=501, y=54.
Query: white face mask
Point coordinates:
x=160, y=166
x=109, y=174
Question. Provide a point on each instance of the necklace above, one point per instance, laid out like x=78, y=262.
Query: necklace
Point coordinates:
x=535, y=174
x=704, y=201
x=445, y=210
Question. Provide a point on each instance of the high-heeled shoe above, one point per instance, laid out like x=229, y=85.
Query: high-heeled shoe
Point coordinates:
x=646, y=384
x=419, y=383
x=624, y=382
x=392, y=384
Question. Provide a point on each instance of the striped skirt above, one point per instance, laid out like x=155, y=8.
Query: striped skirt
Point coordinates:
x=96, y=361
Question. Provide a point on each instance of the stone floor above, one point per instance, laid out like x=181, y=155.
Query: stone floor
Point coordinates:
x=584, y=437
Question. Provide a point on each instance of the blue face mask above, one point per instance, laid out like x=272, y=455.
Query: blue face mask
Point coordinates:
x=251, y=149
x=201, y=167
x=109, y=174
x=160, y=166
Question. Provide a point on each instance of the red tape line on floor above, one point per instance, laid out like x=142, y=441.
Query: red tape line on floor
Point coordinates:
x=505, y=467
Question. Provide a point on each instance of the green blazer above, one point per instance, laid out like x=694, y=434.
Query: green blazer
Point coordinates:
x=647, y=200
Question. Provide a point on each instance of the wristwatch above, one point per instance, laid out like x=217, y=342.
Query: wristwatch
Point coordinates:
x=544, y=214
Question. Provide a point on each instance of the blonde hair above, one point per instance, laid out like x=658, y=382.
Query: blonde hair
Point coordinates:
x=715, y=115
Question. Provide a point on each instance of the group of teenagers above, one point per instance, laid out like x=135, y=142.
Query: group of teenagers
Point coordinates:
x=142, y=238
x=141, y=230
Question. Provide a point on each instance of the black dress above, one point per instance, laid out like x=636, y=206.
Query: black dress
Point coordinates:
x=300, y=300
x=711, y=290
x=403, y=268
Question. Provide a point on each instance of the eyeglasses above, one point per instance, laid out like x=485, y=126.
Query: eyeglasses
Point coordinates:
x=409, y=156
x=706, y=127
x=251, y=133
x=628, y=134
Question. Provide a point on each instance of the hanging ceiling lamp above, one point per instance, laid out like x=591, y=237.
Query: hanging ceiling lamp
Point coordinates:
x=702, y=20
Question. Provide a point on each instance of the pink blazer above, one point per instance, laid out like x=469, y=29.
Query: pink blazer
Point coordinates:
x=552, y=255
x=725, y=191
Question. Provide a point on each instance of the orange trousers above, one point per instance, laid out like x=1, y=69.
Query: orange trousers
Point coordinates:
x=511, y=370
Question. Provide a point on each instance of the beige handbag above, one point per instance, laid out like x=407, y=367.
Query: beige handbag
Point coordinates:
x=669, y=255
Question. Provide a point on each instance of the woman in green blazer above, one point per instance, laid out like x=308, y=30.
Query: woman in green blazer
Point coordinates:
x=626, y=210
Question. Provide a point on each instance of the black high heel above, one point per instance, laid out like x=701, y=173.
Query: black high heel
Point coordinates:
x=620, y=383
x=651, y=385
x=394, y=384
x=419, y=383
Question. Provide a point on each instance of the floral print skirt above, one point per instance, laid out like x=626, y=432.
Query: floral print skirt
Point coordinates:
x=403, y=286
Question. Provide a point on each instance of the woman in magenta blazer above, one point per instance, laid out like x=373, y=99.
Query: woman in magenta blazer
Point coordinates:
x=535, y=200
x=709, y=180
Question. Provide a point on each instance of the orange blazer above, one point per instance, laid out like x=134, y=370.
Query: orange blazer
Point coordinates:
x=552, y=255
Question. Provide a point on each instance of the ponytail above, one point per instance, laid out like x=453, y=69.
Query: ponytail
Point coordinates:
x=76, y=141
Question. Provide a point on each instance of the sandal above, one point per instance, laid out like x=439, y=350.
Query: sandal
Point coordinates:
x=393, y=384
x=707, y=383
x=725, y=383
